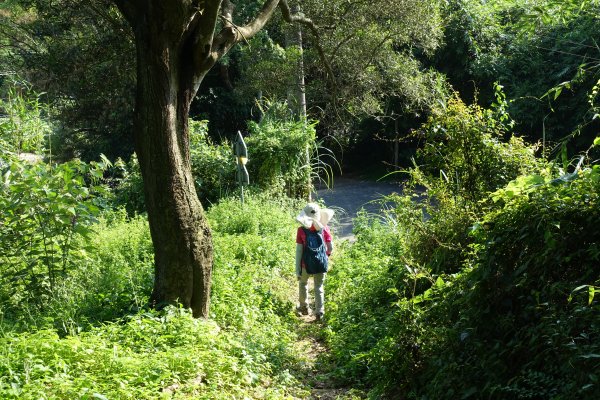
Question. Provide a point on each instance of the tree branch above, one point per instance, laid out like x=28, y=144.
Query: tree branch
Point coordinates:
x=227, y=13
x=203, y=25
x=300, y=18
x=232, y=34
x=264, y=15
x=116, y=25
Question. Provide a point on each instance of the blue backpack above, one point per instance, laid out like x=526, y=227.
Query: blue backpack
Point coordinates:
x=314, y=253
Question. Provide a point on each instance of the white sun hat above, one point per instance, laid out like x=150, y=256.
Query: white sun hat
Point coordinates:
x=313, y=214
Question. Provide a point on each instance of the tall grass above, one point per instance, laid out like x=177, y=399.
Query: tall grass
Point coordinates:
x=96, y=340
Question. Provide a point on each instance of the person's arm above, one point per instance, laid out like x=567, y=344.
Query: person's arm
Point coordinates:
x=328, y=240
x=329, y=246
x=299, y=248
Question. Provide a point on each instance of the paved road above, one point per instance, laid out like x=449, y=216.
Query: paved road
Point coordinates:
x=348, y=196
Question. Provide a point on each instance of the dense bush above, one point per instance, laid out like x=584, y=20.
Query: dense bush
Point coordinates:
x=113, y=278
x=518, y=320
x=147, y=356
x=128, y=186
x=529, y=47
x=465, y=291
x=468, y=151
x=213, y=165
x=44, y=210
x=525, y=314
x=22, y=128
x=471, y=151
x=280, y=150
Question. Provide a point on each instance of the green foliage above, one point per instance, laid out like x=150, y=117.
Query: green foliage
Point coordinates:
x=44, y=209
x=521, y=325
x=280, y=148
x=253, y=278
x=359, y=299
x=383, y=293
x=530, y=47
x=374, y=52
x=128, y=192
x=80, y=54
x=110, y=276
x=483, y=286
x=465, y=156
x=515, y=319
x=245, y=351
x=147, y=356
x=465, y=146
x=433, y=232
x=213, y=165
x=22, y=128
x=114, y=276
x=213, y=168
x=267, y=67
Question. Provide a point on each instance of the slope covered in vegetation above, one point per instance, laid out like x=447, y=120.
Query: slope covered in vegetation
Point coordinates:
x=482, y=291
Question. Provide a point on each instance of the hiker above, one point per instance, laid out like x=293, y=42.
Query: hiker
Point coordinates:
x=313, y=247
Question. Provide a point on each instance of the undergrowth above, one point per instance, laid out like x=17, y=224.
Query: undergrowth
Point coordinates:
x=481, y=281
x=95, y=339
x=514, y=316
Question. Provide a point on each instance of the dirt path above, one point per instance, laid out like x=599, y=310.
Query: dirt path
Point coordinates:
x=348, y=195
x=317, y=372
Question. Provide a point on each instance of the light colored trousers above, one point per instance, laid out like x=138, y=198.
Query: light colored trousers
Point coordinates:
x=319, y=280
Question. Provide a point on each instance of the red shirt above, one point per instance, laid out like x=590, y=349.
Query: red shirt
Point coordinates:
x=301, y=236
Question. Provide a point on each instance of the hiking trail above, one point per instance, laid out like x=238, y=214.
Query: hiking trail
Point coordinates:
x=348, y=196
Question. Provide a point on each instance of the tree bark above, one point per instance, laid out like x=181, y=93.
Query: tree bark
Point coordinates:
x=176, y=45
x=183, y=251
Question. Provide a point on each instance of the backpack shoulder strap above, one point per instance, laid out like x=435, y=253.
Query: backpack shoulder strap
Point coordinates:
x=306, y=233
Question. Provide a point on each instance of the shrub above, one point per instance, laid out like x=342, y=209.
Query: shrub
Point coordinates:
x=437, y=305
x=254, y=259
x=22, y=128
x=524, y=324
x=213, y=165
x=280, y=149
x=213, y=168
x=128, y=191
x=465, y=157
x=115, y=277
x=44, y=209
x=246, y=351
x=467, y=152
x=148, y=356
x=516, y=321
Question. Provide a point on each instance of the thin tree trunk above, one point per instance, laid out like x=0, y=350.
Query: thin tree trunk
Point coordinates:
x=298, y=94
x=396, y=144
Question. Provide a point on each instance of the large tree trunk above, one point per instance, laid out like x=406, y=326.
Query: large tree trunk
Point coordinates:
x=182, y=240
x=176, y=46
